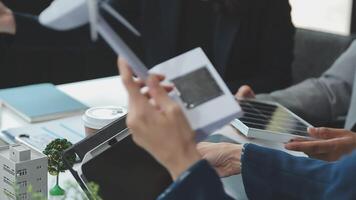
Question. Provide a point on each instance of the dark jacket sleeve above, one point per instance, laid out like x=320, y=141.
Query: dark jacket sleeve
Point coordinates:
x=274, y=50
x=270, y=174
x=200, y=182
x=29, y=32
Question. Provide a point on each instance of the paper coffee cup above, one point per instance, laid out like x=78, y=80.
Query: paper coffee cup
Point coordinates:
x=97, y=118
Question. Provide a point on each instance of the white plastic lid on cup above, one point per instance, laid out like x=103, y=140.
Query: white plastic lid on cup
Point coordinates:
x=99, y=117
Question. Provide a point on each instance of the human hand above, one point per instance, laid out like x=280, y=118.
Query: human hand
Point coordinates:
x=158, y=124
x=245, y=92
x=224, y=157
x=331, y=144
x=7, y=20
x=144, y=88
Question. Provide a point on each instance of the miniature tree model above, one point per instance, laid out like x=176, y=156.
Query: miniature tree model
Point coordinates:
x=56, y=165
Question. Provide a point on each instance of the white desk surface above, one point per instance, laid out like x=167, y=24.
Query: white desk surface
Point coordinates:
x=110, y=91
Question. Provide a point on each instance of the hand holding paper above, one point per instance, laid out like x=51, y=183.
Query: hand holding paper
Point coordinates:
x=199, y=90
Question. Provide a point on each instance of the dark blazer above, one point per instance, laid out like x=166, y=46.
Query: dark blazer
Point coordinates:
x=253, y=47
x=272, y=175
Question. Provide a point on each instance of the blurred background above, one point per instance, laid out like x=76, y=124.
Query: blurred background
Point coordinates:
x=78, y=60
x=84, y=60
x=325, y=15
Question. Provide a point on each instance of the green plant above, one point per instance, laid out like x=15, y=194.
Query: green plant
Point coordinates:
x=54, y=151
x=74, y=192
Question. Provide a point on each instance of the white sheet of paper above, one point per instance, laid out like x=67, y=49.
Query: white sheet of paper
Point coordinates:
x=211, y=115
x=41, y=134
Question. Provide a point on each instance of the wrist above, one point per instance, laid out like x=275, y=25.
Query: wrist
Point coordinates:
x=183, y=160
x=237, y=151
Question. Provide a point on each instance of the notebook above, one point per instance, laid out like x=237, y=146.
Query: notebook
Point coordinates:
x=40, y=102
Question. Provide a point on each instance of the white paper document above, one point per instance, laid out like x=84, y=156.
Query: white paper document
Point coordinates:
x=199, y=90
x=39, y=135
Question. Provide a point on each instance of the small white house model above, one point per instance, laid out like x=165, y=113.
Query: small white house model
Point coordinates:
x=20, y=168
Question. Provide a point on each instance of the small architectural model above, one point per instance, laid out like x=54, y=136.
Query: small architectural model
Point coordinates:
x=20, y=168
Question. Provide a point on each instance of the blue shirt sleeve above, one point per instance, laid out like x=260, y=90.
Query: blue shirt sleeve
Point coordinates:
x=200, y=182
x=271, y=174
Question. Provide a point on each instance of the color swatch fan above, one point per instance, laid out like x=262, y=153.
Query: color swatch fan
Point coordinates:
x=270, y=121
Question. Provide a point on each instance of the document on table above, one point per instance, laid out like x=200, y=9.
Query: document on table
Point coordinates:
x=39, y=135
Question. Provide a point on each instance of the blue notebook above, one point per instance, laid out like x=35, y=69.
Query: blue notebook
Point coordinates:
x=41, y=102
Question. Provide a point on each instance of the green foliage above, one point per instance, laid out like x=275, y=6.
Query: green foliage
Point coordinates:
x=75, y=193
x=94, y=190
x=35, y=195
x=54, y=152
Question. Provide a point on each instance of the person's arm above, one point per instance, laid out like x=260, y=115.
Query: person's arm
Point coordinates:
x=323, y=100
x=150, y=118
x=271, y=174
x=29, y=32
x=25, y=30
x=200, y=182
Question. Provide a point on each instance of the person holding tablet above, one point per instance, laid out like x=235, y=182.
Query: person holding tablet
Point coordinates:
x=248, y=41
x=322, y=101
x=162, y=130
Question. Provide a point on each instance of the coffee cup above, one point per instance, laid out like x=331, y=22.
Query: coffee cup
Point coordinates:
x=97, y=118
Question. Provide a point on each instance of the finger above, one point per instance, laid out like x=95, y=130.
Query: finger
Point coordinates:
x=204, y=148
x=203, y=145
x=245, y=92
x=158, y=93
x=314, y=147
x=159, y=76
x=324, y=156
x=133, y=89
x=166, y=87
x=298, y=139
x=140, y=82
x=223, y=173
x=326, y=133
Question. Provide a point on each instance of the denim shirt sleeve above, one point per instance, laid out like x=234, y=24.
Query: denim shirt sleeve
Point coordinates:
x=199, y=182
x=271, y=174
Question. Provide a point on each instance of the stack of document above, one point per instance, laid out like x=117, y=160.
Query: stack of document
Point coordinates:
x=39, y=135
